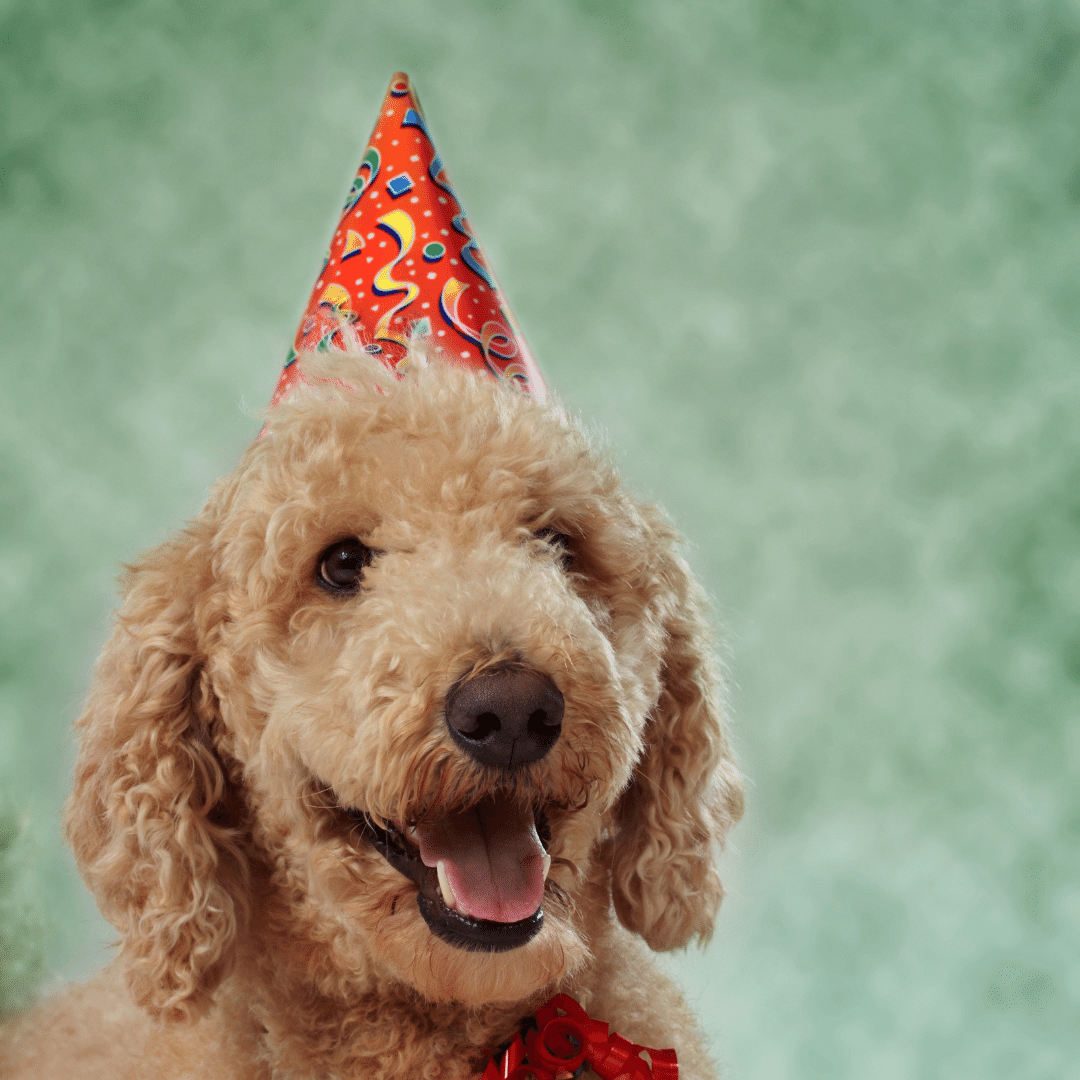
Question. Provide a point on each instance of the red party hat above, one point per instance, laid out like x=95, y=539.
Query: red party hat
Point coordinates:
x=404, y=265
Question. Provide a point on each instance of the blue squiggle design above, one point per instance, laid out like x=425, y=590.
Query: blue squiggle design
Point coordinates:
x=437, y=172
x=370, y=161
x=471, y=250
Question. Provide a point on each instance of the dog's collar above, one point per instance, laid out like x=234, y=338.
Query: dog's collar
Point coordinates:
x=561, y=1039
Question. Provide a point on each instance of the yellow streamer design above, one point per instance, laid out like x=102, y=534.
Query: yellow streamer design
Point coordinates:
x=400, y=226
x=448, y=304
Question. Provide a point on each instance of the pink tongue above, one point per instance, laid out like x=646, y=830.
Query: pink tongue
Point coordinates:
x=493, y=857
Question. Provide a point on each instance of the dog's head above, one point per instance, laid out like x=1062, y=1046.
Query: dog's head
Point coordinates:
x=417, y=678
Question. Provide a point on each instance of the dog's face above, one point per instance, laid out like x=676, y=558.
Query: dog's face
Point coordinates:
x=420, y=663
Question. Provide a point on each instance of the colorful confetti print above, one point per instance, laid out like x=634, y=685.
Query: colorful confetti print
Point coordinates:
x=404, y=263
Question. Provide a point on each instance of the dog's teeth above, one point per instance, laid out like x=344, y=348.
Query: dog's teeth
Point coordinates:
x=449, y=899
x=547, y=865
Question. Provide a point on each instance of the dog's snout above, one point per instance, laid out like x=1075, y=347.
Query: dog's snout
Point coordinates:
x=508, y=716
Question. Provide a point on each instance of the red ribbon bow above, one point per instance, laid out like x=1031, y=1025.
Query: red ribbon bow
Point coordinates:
x=565, y=1038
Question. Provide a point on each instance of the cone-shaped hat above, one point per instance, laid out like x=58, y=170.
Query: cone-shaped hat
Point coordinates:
x=404, y=264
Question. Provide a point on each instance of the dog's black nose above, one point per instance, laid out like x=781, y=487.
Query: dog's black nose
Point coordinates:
x=507, y=716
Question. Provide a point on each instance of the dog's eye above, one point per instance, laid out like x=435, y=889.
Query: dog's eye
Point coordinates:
x=560, y=543
x=341, y=565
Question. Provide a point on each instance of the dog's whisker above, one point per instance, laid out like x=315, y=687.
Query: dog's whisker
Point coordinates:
x=304, y=796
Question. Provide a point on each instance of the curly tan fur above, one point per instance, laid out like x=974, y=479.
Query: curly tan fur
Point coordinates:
x=239, y=708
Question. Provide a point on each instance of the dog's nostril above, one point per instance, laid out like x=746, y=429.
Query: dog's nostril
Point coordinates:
x=539, y=720
x=480, y=726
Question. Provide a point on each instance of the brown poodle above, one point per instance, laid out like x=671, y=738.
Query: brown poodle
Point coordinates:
x=413, y=727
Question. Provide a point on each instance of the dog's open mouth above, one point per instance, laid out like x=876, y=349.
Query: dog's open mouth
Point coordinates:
x=481, y=871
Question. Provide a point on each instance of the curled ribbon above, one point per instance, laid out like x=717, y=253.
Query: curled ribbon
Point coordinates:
x=402, y=228
x=562, y=1039
x=495, y=338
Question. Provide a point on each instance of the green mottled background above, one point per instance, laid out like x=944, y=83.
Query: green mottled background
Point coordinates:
x=814, y=265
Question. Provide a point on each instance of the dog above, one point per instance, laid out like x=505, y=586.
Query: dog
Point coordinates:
x=416, y=725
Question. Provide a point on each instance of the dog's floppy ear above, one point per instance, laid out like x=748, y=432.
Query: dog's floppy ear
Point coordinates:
x=686, y=792
x=144, y=817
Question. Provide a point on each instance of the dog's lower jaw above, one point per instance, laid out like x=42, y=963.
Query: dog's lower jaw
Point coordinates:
x=446, y=973
x=349, y=1006
x=347, y=944
x=477, y=935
